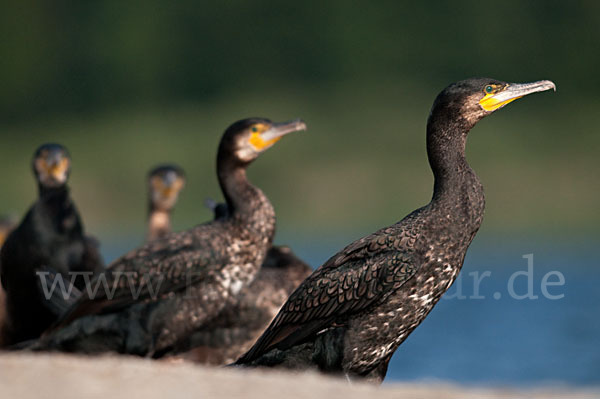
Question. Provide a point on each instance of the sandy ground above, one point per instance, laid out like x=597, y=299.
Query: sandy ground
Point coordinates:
x=57, y=376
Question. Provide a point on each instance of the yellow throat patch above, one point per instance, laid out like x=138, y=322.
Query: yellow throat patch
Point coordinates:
x=489, y=103
x=258, y=143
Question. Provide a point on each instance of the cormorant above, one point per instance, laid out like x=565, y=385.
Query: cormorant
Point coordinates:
x=160, y=293
x=50, y=235
x=355, y=310
x=164, y=184
x=247, y=315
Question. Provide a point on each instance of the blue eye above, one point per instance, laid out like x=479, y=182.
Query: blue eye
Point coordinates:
x=254, y=129
x=488, y=89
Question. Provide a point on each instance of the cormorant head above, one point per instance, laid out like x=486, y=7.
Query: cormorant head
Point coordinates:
x=51, y=165
x=245, y=140
x=164, y=184
x=472, y=99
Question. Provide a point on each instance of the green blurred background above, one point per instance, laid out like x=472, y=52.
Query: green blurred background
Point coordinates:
x=127, y=85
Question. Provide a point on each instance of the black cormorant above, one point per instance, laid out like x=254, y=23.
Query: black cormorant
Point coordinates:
x=164, y=184
x=354, y=311
x=247, y=315
x=172, y=286
x=50, y=235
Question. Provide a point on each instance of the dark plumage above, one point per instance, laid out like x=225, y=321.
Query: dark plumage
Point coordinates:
x=247, y=315
x=51, y=236
x=172, y=286
x=164, y=184
x=354, y=311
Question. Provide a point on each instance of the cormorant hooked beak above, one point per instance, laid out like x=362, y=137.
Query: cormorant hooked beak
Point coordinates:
x=261, y=140
x=56, y=165
x=171, y=184
x=166, y=188
x=52, y=165
x=497, y=97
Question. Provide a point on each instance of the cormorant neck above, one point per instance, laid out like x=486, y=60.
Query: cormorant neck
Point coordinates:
x=237, y=190
x=446, y=141
x=57, y=212
x=159, y=222
x=45, y=192
x=246, y=204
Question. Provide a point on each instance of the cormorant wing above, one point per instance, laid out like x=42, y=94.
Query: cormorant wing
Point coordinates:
x=363, y=273
x=149, y=273
x=58, y=301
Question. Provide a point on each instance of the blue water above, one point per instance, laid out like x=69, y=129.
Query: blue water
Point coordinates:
x=500, y=334
x=511, y=340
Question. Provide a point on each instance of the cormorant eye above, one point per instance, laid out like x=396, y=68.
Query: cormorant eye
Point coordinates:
x=254, y=129
x=488, y=89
